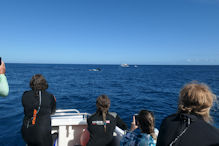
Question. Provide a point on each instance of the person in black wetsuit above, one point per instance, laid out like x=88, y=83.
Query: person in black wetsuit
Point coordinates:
x=38, y=106
x=102, y=123
x=191, y=125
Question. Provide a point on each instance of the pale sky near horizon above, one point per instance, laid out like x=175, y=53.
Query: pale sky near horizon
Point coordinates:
x=110, y=31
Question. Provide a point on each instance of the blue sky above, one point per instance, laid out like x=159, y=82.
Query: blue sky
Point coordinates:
x=110, y=31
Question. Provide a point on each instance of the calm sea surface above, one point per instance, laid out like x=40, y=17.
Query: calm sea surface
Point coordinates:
x=130, y=89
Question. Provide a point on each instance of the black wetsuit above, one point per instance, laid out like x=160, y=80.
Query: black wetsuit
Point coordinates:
x=198, y=133
x=98, y=137
x=40, y=133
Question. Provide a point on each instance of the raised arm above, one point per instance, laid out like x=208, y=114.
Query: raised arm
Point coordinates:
x=120, y=123
x=4, y=89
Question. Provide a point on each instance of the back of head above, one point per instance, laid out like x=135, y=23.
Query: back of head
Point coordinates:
x=38, y=82
x=103, y=104
x=146, y=122
x=196, y=98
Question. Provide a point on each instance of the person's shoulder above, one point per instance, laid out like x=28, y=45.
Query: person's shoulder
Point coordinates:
x=208, y=132
x=113, y=114
x=3, y=76
x=207, y=127
x=92, y=116
x=169, y=120
x=27, y=95
x=48, y=93
x=27, y=92
x=170, y=117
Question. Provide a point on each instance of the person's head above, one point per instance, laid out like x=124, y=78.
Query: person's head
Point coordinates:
x=146, y=121
x=38, y=82
x=196, y=98
x=103, y=104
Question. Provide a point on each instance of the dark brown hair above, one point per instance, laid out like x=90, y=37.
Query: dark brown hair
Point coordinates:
x=103, y=104
x=38, y=82
x=146, y=122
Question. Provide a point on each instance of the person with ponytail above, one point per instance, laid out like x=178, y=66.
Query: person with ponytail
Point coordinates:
x=38, y=106
x=101, y=124
x=146, y=123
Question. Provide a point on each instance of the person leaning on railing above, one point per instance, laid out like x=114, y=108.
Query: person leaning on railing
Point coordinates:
x=38, y=106
x=4, y=89
x=191, y=125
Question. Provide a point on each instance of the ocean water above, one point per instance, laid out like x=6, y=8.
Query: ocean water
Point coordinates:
x=130, y=89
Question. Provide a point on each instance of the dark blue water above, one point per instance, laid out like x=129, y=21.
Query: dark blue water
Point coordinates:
x=130, y=89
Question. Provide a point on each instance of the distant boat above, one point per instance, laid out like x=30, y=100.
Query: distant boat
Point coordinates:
x=95, y=69
x=135, y=66
x=124, y=65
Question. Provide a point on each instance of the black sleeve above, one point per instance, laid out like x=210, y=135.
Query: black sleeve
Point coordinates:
x=167, y=128
x=161, y=133
x=53, y=104
x=22, y=100
x=120, y=123
x=88, y=124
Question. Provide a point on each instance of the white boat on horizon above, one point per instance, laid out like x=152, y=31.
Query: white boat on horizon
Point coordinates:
x=70, y=124
x=124, y=65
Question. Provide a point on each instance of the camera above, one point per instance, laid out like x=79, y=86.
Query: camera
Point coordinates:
x=136, y=119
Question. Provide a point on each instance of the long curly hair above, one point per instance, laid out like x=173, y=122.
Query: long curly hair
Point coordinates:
x=37, y=83
x=196, y=98
x=146, y=122
x=103, y=105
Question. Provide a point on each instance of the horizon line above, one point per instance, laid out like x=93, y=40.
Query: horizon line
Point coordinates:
x=115, y=64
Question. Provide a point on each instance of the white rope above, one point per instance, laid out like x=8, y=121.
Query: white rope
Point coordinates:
x=174, y=141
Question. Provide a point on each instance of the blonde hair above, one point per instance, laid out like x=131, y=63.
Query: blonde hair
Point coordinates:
x=196, y=98
x=103, y=104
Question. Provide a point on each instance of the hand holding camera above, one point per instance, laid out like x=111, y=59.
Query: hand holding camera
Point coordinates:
x=134, y=123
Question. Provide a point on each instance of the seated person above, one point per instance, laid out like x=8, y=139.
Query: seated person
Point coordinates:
x=148, y=136
x=101, y=124
x=190, y=126
x=4, y=89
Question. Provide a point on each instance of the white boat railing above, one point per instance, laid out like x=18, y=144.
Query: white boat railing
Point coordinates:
x=69, y=124
x=69, y=112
